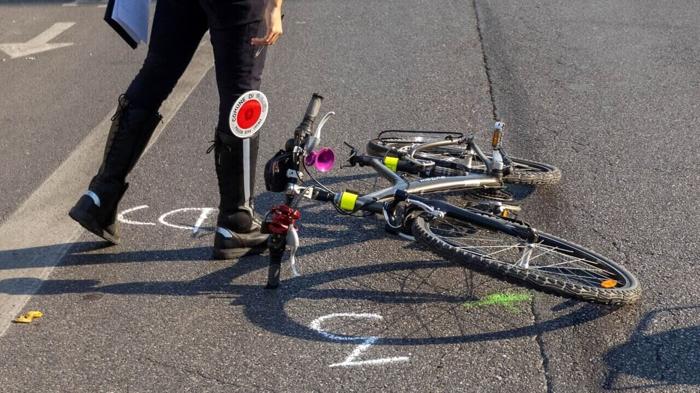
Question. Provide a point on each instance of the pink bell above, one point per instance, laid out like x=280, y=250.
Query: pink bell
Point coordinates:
x=321, y=159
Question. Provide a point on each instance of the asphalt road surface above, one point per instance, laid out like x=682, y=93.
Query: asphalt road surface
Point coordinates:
x=607, y=91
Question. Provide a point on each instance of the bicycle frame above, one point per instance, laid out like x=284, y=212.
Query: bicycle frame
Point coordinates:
x=421, y=186
x=408, y=213
x=375, y=202
x=280, y=221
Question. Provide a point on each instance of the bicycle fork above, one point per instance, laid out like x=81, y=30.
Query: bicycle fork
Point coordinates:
x=280, y=226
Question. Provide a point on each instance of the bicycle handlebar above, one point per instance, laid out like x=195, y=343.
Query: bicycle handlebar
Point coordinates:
x=310, y=116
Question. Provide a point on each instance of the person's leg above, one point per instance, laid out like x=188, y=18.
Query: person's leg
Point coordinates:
x=238, y=69
x=178, y=27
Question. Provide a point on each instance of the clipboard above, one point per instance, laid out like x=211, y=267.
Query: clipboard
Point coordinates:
x=130, y=19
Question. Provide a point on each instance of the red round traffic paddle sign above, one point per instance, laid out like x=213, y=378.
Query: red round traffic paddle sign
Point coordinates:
x=248, y=114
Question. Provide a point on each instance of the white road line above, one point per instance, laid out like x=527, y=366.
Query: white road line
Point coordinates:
x=39, y=43
x=39, y=233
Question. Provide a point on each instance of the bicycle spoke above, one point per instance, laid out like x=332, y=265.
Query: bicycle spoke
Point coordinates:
x=595, y=269
x=499, y=247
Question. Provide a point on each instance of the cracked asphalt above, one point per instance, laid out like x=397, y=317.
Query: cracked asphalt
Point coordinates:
x=607, y=91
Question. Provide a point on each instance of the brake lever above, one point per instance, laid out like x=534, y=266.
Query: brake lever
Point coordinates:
x=353, y=154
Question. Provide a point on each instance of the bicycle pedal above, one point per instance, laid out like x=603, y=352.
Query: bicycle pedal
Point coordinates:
x=499, y=209
x=508, y=213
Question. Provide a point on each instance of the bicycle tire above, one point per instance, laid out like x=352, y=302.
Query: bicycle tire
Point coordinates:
x=581, y=283
x=524, y=171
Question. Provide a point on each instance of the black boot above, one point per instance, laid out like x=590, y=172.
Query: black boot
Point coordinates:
x=238, y=231
x=128, y=137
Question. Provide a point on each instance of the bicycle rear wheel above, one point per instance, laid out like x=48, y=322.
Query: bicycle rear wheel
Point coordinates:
x=524, y=171
x=547, y=263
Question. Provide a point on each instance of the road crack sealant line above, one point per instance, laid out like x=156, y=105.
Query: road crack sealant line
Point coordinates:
x=487, y=70
x=540, y=343
x=40, y=231
x=494, y=109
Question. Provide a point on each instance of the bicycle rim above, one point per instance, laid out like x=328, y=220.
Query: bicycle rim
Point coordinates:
x=548, y=263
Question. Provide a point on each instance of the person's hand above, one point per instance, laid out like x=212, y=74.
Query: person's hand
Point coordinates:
x=273, y=20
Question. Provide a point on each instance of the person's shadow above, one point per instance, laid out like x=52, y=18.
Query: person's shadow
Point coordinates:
x=671, y=357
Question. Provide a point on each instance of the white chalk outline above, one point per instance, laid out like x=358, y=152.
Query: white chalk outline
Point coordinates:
x=194, y=229
x=366, y=342
x=121, y=218
x=203, y=216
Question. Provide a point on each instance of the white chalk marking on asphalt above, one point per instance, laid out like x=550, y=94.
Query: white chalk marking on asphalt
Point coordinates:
x=205, y=214
x=40, y=232
x=366, y=342
x=205, y=211
x=121, y=215
x=39, y=43
x=72, y=4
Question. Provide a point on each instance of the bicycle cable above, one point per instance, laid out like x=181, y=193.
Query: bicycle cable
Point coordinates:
x=323, y=187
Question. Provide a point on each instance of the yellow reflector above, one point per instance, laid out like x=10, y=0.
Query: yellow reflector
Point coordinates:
x=496, y=139
x=347, y=201
x=609, y=283
x=391, y=162
x=505, y=213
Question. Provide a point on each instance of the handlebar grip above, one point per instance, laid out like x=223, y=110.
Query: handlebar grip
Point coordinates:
x=310, y=116
x=314, y=106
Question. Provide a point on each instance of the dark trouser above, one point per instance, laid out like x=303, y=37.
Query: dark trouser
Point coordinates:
x=178, y=28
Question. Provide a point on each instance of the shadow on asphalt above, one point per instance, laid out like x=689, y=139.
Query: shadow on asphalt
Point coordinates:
x=670, y=357
x=267, y=308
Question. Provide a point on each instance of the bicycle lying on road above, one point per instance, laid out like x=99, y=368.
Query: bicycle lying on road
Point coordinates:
x=457, y=155
x=485, y=239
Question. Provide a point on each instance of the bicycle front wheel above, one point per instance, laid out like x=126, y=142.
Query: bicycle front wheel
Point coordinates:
x=545, y=262
x=524, y=171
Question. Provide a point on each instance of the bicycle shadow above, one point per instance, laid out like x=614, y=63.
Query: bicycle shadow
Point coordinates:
x=267, y=308
x=670, y=357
